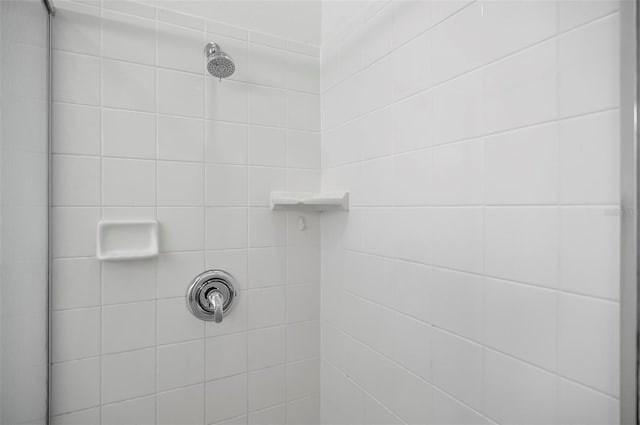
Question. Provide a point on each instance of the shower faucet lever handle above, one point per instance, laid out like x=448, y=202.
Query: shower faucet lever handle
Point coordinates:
x=217, y=303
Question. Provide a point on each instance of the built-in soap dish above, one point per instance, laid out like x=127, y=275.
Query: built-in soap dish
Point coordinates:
x=127, y=240
x=310, y=201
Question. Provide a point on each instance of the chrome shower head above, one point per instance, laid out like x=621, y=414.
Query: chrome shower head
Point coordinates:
x=219, y=64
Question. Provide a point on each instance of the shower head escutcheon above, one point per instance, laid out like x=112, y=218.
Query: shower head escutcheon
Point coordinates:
x=219, y=64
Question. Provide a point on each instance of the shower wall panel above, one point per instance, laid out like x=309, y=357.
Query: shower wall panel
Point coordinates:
x=140, y=131
x=476, y=277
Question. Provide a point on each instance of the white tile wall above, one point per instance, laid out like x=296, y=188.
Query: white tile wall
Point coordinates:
x=475, y=279
x=142, y=132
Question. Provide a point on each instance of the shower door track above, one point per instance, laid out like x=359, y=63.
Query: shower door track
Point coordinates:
x=629, y=213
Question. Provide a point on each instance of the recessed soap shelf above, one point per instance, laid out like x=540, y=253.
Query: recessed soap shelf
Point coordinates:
x=310, y=201
x=127, y=240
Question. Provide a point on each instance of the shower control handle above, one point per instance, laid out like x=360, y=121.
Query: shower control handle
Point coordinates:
x=216, y=303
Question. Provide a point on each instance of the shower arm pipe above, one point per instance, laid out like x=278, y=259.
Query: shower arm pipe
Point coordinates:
x=50, y=6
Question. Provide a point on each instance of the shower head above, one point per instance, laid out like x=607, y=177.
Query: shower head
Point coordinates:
x=219, y=64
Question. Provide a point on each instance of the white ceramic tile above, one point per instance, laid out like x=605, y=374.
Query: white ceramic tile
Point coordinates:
x=180, y=139
x=267, y=267
x=226, y=185
x=128, y=86
x=304, y=411
x=184, y=405
x=589, y=57
x=521, y=89
x=127, y=182
x=521, y=320
x=267, y=106
x=180, y=93
x=266, y=347
x=458, y=170
x=75, y=129
x=511, y=26
x=508, y=401
x=226, y=355
x=411, y=123
x=76, y=385
x=457, y=109
x=128, y=38
x=303, y=379
x=180, y=48
x=131, y=8
x=140, y=410
x=77, y=28
x=303, y=303
x=455, y=302
x=456, y=46
x=234, y=261
x=410, y=18
x=76, y=334
x=78, y=78
x=267, y=387
x=267, y=307
x=128, y=375
x=180, y=365
x=263, y=181
x=226, y=228
x=180, y=19
x=176, y=323
x=581, y=405
x=303, y=111
x=77, y=181
x=227, y=143
x=414, y=75
x=270, y=415
x=77, y=283
x=589, y=159
x=588, y=342
x=175, y=272
x=74, y=231
x=227, y=100
x=303, y=72
x=303, y=149
x=573, y=13
x=181, y=229
x=180, y=184
x=85, y=417
x=457, y=367
x=128, y=134
x=225, y=398
x=522, y=166
x=590, y=251
x=456, y=238
x=266, y=228
x=267, y=146
x=447, y=409
x=522, y=244
x=267, y=66
x=128, y=326
x=303, y=340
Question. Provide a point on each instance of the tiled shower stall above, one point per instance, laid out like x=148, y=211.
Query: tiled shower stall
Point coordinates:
x=474, y=279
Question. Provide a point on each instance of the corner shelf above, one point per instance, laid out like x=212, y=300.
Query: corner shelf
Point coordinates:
x=310, y=201
x=127, y=240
